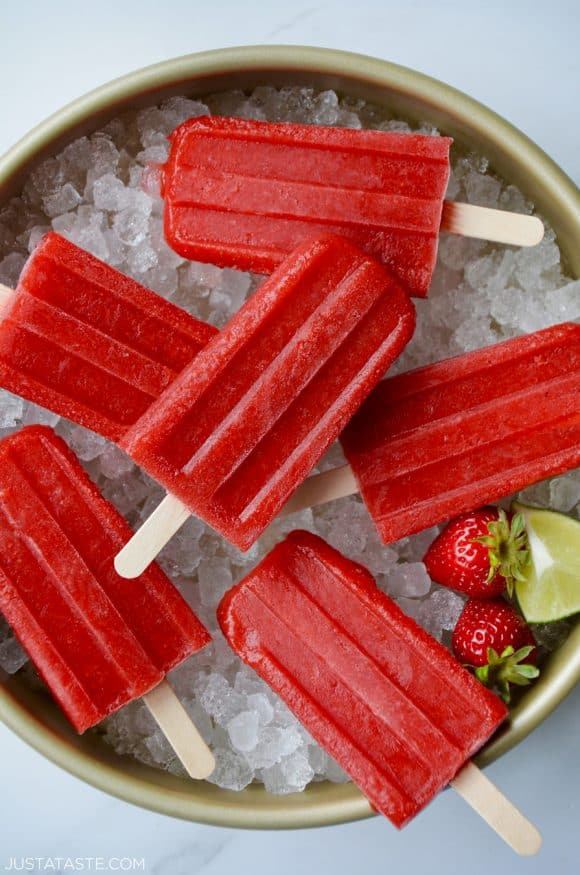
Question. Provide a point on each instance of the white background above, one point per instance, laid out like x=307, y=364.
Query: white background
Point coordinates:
x=521, y=59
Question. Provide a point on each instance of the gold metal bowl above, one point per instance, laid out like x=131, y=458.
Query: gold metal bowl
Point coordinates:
x=32, y=715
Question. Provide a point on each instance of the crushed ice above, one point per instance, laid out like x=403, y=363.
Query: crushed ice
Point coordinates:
x=96, y=193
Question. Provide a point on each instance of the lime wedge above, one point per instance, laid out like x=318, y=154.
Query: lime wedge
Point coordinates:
x=551, y=589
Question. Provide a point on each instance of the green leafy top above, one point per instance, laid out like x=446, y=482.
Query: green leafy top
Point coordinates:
x=509, y=552
x=505, y=668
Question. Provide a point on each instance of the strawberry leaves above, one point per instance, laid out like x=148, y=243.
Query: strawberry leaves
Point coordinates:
x=508, y=549
x=508, y=667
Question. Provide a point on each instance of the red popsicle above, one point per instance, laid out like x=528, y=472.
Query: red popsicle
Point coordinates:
x=435, y=442
x=97, y=640
x=244, y=193
x=386, y=700
x=244, y=424
x=89, y=343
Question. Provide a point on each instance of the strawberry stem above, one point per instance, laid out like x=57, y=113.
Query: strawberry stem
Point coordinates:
x=506, y=668
x=508, y=548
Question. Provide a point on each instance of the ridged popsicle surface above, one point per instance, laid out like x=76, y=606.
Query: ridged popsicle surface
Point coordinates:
x=444, y=439
x=245, y=423
x=89, y=343
x=96, y=639
x=386, y=700
x=245, y=193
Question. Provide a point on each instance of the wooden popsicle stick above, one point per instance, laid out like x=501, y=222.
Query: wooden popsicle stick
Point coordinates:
x=320, y=488
x=499, y=226
x=180, y=731
x=501, y=814
x=151, y=538
x=170, y=515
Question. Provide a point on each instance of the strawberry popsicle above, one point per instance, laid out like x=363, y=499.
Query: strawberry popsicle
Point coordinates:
x=387, y=701
x=435, y=442
x=244, y=193
x=244, y=424
x=96, y=640
x=89, y=343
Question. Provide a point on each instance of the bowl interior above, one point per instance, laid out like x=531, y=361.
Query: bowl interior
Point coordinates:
x=32, y=714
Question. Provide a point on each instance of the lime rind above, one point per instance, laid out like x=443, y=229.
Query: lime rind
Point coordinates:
x=550, y=589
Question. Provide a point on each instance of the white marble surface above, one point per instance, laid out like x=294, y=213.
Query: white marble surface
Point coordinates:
x=521, y=60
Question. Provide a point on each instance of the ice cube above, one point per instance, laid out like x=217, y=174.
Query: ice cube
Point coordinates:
x=563, y=304
x=114, y=462
x=161, y=279
x=86, y=444
x=109, y=193
x=62, y=201
x=513, y=200
x=104, y=155
x=215, y=578
x=37, y=232
x=220, y=701
x=10, y=269
x=274, y=779
x=142, y=258
x=440, y=612
x=533, y=261
x=159, y=749
x=538, y=494
x=48, y=177
x=565, y=492
x=76, y=158
x=275, y=742
x=318, y=759
x=409, y=579
x=231, y=772
x=297, y=771
x=115, y=248
x=480, y=271
x=34, y=414
x=215, y=689
x=11, y=410
x=87, y=232
x=291, y=775
x=482, y=189
x=456, y=252
x=130, y=226
x=243, y=730
x=260, y=703
x=12, y=654
x=414, y=548
x=411, y=607
x=395, y=126
x=64, y=224
x=336, y=773
x=177, y=110
x=248, y=683
x=326, y=112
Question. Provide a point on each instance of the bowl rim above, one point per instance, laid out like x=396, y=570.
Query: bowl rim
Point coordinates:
x=322, y=804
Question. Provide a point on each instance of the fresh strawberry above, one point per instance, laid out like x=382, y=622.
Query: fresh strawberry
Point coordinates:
x=496, y=642
x=480, y=553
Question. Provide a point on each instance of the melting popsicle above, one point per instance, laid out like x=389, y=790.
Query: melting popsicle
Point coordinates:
x=245, y=193
x=443, y=439
x=96, y=640
x=387, y=701
x=89, y=343
x=245, y=423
